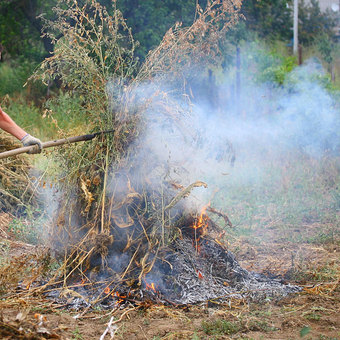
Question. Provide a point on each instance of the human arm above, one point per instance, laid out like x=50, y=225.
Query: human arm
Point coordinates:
x=8, y=125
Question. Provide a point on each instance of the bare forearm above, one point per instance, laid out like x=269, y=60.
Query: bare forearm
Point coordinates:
x=7, y=124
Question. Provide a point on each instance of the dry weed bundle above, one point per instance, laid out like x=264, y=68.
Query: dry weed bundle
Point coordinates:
x=16, y=190
x=26, y=264
x=196, y=45
x=116, y=205
x=91, y=47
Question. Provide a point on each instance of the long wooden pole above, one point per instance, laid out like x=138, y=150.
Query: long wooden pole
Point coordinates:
x=52, y=143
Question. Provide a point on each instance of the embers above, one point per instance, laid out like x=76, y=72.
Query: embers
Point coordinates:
x=151, y=287
x=195, y=267
x=119, y=298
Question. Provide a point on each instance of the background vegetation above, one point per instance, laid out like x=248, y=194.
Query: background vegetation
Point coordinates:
x=23, y=46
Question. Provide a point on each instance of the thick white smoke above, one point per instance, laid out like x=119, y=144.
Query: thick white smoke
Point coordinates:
x=199, y=140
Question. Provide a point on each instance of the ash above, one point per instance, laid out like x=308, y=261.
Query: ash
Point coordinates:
x=213, y=273
x=185, y=273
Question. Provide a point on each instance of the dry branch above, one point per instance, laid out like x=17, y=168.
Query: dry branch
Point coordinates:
x=184, y=193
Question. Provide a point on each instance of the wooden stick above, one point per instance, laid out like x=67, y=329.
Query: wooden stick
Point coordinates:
x=53, y=143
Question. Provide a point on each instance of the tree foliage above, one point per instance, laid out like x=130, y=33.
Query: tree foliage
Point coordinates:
x=150, y=19
x=273, y=19
x=313, y=22
x=21, y=28
x=269, y=18
x=21, y=24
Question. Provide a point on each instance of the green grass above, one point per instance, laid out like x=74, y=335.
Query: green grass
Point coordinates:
x=13, y=76
x=60, y=117
x=287, y=198
x=28, y=116
x=261, y=325
x=76, y=335
x=61, y=114
x=313, y=316
x=220, y=327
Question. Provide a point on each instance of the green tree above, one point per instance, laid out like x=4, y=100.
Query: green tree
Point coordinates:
x=269, y=18
x=273, y=20
x=21, y=28
x=150, y=19
x=313, y=23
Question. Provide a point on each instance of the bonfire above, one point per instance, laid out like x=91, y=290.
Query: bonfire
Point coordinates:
x=129, y=226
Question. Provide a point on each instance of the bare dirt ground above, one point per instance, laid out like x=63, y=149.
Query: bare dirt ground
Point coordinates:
x=312, y=314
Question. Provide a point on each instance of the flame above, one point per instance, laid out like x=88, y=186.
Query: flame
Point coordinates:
x=151, y=287
x=199, y=274
x=202, y=220
x=120, y=298
x=116, y=295
x=200, y=226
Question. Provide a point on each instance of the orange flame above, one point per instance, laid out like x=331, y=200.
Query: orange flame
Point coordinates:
x=199, y=274
x=107, y=290
x=202, y=220
x=201, y=225
x=120, y=298
x=151, y=287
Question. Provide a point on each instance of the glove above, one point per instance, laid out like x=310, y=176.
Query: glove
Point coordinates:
x=30, y=140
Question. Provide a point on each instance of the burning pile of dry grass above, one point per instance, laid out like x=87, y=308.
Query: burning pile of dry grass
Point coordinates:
x=109, y=197
x=120, y=218
x=16, y=190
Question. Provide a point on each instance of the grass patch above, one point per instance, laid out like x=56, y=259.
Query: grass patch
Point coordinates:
x=220, y=327
x=313, y=316
x=261, y=325
x=13, y=76
x=63, y=115
x=288, y=196
x=76, y=335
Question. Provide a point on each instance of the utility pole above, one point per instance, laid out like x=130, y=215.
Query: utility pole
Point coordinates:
x=295, y=27
x=238, y=75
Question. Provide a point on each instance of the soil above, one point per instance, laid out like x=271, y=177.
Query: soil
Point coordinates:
x=311, y=314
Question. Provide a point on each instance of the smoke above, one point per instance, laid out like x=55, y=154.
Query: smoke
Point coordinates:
x=198, y=139
x=212, y=131
x=299, y=115
x=40, y=219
